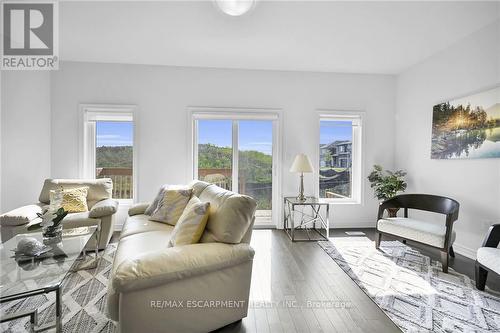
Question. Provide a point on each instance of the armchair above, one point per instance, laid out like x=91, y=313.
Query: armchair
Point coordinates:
x=488, y=256
x=101, y=208
x=423, y=232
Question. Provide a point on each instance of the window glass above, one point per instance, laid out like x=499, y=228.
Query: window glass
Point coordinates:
x=114, y=155
x=335, y=159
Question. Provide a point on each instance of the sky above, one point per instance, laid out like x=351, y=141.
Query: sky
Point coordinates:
x=253, y=134
x=114, y=133
x=331, y=131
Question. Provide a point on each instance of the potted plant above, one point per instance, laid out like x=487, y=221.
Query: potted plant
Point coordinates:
x=387, y=184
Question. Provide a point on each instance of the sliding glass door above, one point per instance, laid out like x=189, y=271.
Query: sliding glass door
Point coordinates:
x=215, y=152
x=238, y=155
x=255, y=165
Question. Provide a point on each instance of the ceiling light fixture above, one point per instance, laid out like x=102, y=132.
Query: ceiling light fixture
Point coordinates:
x=235, y=7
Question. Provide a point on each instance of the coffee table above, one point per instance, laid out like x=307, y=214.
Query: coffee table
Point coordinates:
x=21, y=279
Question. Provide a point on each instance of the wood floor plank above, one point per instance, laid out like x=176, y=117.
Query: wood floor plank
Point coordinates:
x=287, y=276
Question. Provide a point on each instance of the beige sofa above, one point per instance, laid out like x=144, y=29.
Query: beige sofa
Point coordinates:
x=190, y=288
x=101, y=207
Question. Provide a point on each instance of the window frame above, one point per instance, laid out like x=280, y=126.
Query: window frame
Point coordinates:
x=89, y=114
x=235, y=114
x=357, y=176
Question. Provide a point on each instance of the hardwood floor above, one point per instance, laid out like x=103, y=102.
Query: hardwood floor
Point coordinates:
x=286, y=276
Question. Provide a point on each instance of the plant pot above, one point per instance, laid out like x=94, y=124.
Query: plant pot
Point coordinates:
x=52, y=235
x=393, y=212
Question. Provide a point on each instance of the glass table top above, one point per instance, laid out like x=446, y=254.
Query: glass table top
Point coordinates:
x=18, y=277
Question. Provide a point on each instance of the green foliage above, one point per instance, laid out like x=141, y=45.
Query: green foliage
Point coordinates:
x=255, y=166
x=211, y=156
x=387, y=184
x=114, y=157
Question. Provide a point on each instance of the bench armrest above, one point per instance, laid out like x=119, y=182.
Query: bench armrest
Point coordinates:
x=20, y=216
x=175, y=263
x=492, y=238
x=104, y=208
x=138, y=208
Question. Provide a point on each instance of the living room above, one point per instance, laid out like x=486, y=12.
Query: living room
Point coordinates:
x=336, y=162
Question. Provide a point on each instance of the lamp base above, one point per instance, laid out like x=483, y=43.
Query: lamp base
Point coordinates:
x=301, y=196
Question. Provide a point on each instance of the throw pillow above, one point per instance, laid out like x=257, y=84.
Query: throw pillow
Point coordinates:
x=171, y=206
x=191, y=224
x=73, y=200
x=153, y=205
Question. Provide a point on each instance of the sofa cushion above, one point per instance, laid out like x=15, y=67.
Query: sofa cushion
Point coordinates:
x=420, y=231
x=20, y=216
x=230, y=215
x=199, y=186
x=191, y=224
x=99, y=189
x=140, y=223
x=137, y=244
x=171, y=206
x=489, y=257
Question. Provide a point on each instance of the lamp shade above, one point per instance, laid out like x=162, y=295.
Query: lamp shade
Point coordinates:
x=302, y=163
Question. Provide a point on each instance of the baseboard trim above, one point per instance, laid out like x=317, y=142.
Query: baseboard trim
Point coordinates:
x=465, y=251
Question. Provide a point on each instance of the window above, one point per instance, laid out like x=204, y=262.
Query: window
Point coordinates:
x=108, y=147
x=236, y=152
x=340, y=158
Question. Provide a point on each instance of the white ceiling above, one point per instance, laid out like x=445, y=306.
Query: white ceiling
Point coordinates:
x=353, y=37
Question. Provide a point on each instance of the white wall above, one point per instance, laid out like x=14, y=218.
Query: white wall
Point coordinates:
x=468, y=66
x=25, y=136
x=163, y=94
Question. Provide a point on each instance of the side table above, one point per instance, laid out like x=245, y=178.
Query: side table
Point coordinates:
x=320, y=213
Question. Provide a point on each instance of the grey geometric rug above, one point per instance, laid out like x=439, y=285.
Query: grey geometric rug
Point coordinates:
x=83, y=297
x=412, y=289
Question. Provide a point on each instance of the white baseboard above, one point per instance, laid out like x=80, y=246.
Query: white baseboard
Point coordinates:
x=353, y=224
x=465, y=251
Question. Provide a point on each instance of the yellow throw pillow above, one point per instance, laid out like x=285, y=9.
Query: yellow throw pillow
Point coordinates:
x=74, y=200
x=191, y=224
x=172, y=205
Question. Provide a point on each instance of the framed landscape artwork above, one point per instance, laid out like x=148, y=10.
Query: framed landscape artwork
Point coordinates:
x=467, y=127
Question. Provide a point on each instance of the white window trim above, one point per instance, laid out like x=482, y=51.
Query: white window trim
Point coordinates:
x=237, y=113
x=105, y=112
x=358, y=189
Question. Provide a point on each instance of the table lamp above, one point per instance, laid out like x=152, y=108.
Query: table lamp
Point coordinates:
x=301, y=164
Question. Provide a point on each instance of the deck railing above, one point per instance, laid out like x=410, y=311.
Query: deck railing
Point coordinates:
x=122, y=181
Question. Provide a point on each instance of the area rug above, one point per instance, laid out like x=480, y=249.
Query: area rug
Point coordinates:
x=412, y=289
x=83, y=298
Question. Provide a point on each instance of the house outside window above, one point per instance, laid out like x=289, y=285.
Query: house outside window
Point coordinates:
x=339, y=175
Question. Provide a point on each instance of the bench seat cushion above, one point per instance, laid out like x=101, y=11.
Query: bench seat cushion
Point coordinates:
x=489, y=257
x=421, y=231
